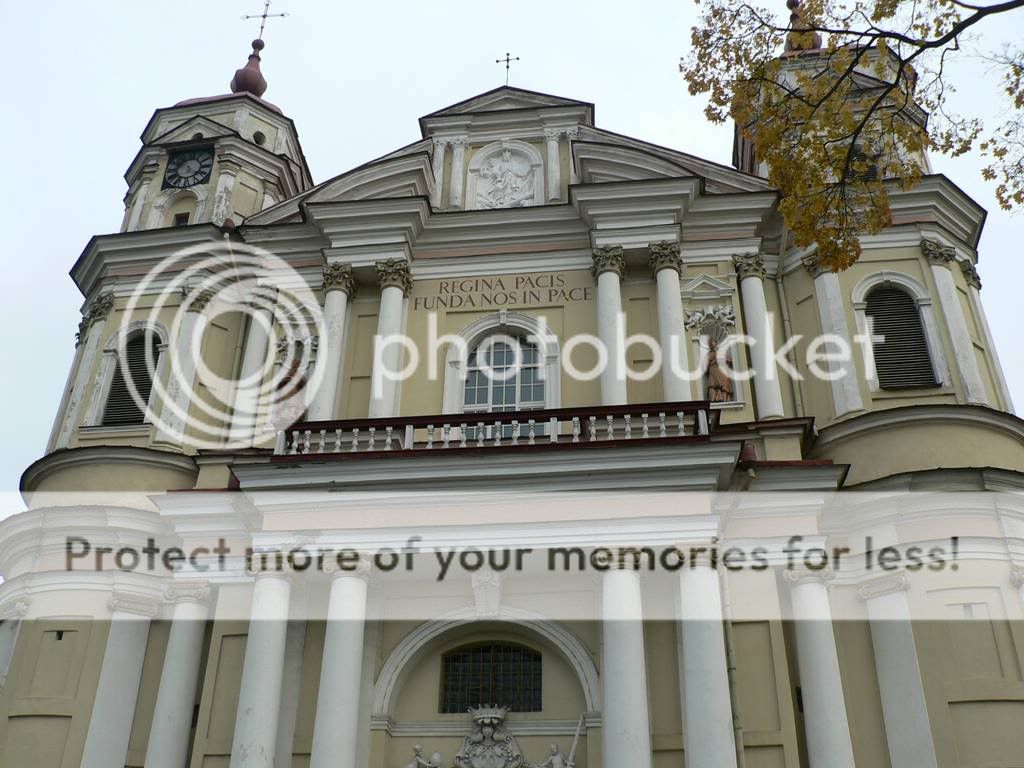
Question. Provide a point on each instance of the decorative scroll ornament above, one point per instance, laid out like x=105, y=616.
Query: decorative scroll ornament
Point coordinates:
x=394, y=273
x=664, y=256
x=970, y=274
x=714, y=321
x=749, y=265
x=813, y=266
x=489, y=744
x=339, y=277
x=507, y=180
x=937, y=253
x=97, y=311
x=487, y=593
x=609, y=259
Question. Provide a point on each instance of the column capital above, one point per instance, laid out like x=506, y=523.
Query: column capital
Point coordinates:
x=188, y=592
x=338, y=277
x=96, y=312
x=134, y=603
x=360, y=569
x=228, y=166
x=749, y=265
x=1017, y=577
x=888, y=584
x=459, y=141
x=936, y=253
x=15, y=608
x=394, y=273
x=813, y=266
x=797, y=576
x=609, y=259
x=196, y=300
x=971, y=274
x=664, y=255
x=553, y=134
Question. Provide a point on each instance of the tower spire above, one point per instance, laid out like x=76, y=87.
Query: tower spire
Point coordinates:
x=249, y=79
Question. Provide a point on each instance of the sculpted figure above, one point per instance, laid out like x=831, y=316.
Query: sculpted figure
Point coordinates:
x=418, y=761
x=719, y=384
x=556, y=760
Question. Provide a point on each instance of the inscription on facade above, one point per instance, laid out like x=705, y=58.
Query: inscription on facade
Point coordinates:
x=509, y=291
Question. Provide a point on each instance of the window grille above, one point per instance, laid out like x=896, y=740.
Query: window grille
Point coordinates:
x=121, y=408
x=901, y=354
x=503, y=674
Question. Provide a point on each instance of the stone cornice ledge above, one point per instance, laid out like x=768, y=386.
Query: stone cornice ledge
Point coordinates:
x=38, y=470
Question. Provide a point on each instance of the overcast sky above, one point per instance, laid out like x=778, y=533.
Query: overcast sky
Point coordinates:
x=80, y=80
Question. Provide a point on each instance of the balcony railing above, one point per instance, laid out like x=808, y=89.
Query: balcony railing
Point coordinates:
x=558, y=427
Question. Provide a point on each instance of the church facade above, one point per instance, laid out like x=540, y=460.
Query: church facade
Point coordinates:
x=439, y=462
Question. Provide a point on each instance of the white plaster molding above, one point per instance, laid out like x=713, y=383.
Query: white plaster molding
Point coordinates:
x=407, y=652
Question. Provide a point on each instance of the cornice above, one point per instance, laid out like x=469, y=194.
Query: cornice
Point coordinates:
x=69, y=458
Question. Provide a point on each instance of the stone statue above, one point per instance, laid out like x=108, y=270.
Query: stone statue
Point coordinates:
x=418, y=761
x=510, y=186
x=719, y=384
x=489, y=745
x=556, y=760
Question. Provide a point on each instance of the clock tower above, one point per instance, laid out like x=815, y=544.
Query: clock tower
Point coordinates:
x=215, y=158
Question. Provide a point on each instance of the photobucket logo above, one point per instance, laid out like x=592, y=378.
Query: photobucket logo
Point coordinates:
x=204, y=295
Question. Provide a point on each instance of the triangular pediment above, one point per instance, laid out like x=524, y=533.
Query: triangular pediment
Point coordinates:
x=507, y=98
x=210, y=129
x=705, y=286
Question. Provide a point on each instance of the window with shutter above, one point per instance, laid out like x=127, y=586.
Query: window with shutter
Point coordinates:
x=121, y=408
x=901, y=355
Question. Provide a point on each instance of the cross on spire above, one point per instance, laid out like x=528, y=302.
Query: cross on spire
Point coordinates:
x=508, y=63
x=264, y=16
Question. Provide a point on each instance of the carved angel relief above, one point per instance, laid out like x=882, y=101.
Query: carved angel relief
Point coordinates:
x=505, y=174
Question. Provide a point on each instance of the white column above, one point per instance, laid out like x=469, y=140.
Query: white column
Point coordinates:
x=609, y=266
x=138, y=203
x=709, y=740
x=827, y=725
x=11, y=614
x=942, y=258
x=974, y=287
x=259, y=699
x=336, y=730
x=181, y=380
x=458, y=172
x=113, y=709
x=91, y=328
x=172, y=715
x=437, y=165
x=554, y=164
x=395, y=283
x=904, y=710
x=666, y=266
x=625, y=720
x=338, y=286
x=767, y=391
x=832, y=315
x=291, y=682
x=222, y=197
x=258, y=335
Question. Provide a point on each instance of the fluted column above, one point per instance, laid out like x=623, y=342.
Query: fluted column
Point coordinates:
x=245, y=408
x=437, y=165
x=904, y=709
x=259, y=698
x=832, y=315
x=336, y=731
x=554, y=163
x=666, y=266
x=709, y=738
x=625, y=724
x=827, y=725
x=395, y=283
x=172, y=715
x=767, y=390
x=942, y=259
x=457, y=181
x=227, y=173
x=338, y=286
x=113, y=709
x=181, y=380
x=90, y=337
x=609, y=266
x=974, y=288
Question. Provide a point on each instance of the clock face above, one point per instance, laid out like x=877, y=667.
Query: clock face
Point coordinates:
x=189, y=167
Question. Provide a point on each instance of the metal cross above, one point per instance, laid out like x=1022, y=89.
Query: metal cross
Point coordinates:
x=508, y=63
x=264, y=16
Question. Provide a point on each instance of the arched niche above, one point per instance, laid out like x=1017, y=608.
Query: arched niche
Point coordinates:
x=505, y=174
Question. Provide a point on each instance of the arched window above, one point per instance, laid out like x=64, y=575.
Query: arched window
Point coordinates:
x=121, y=407
x=503, y=373
x=899, y=344
x=503, y=674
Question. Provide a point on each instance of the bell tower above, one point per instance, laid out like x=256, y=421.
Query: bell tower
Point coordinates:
x=211, y=159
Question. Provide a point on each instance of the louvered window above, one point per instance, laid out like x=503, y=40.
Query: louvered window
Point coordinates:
x=901, y=354
x=502, y=674
x=121, y=407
